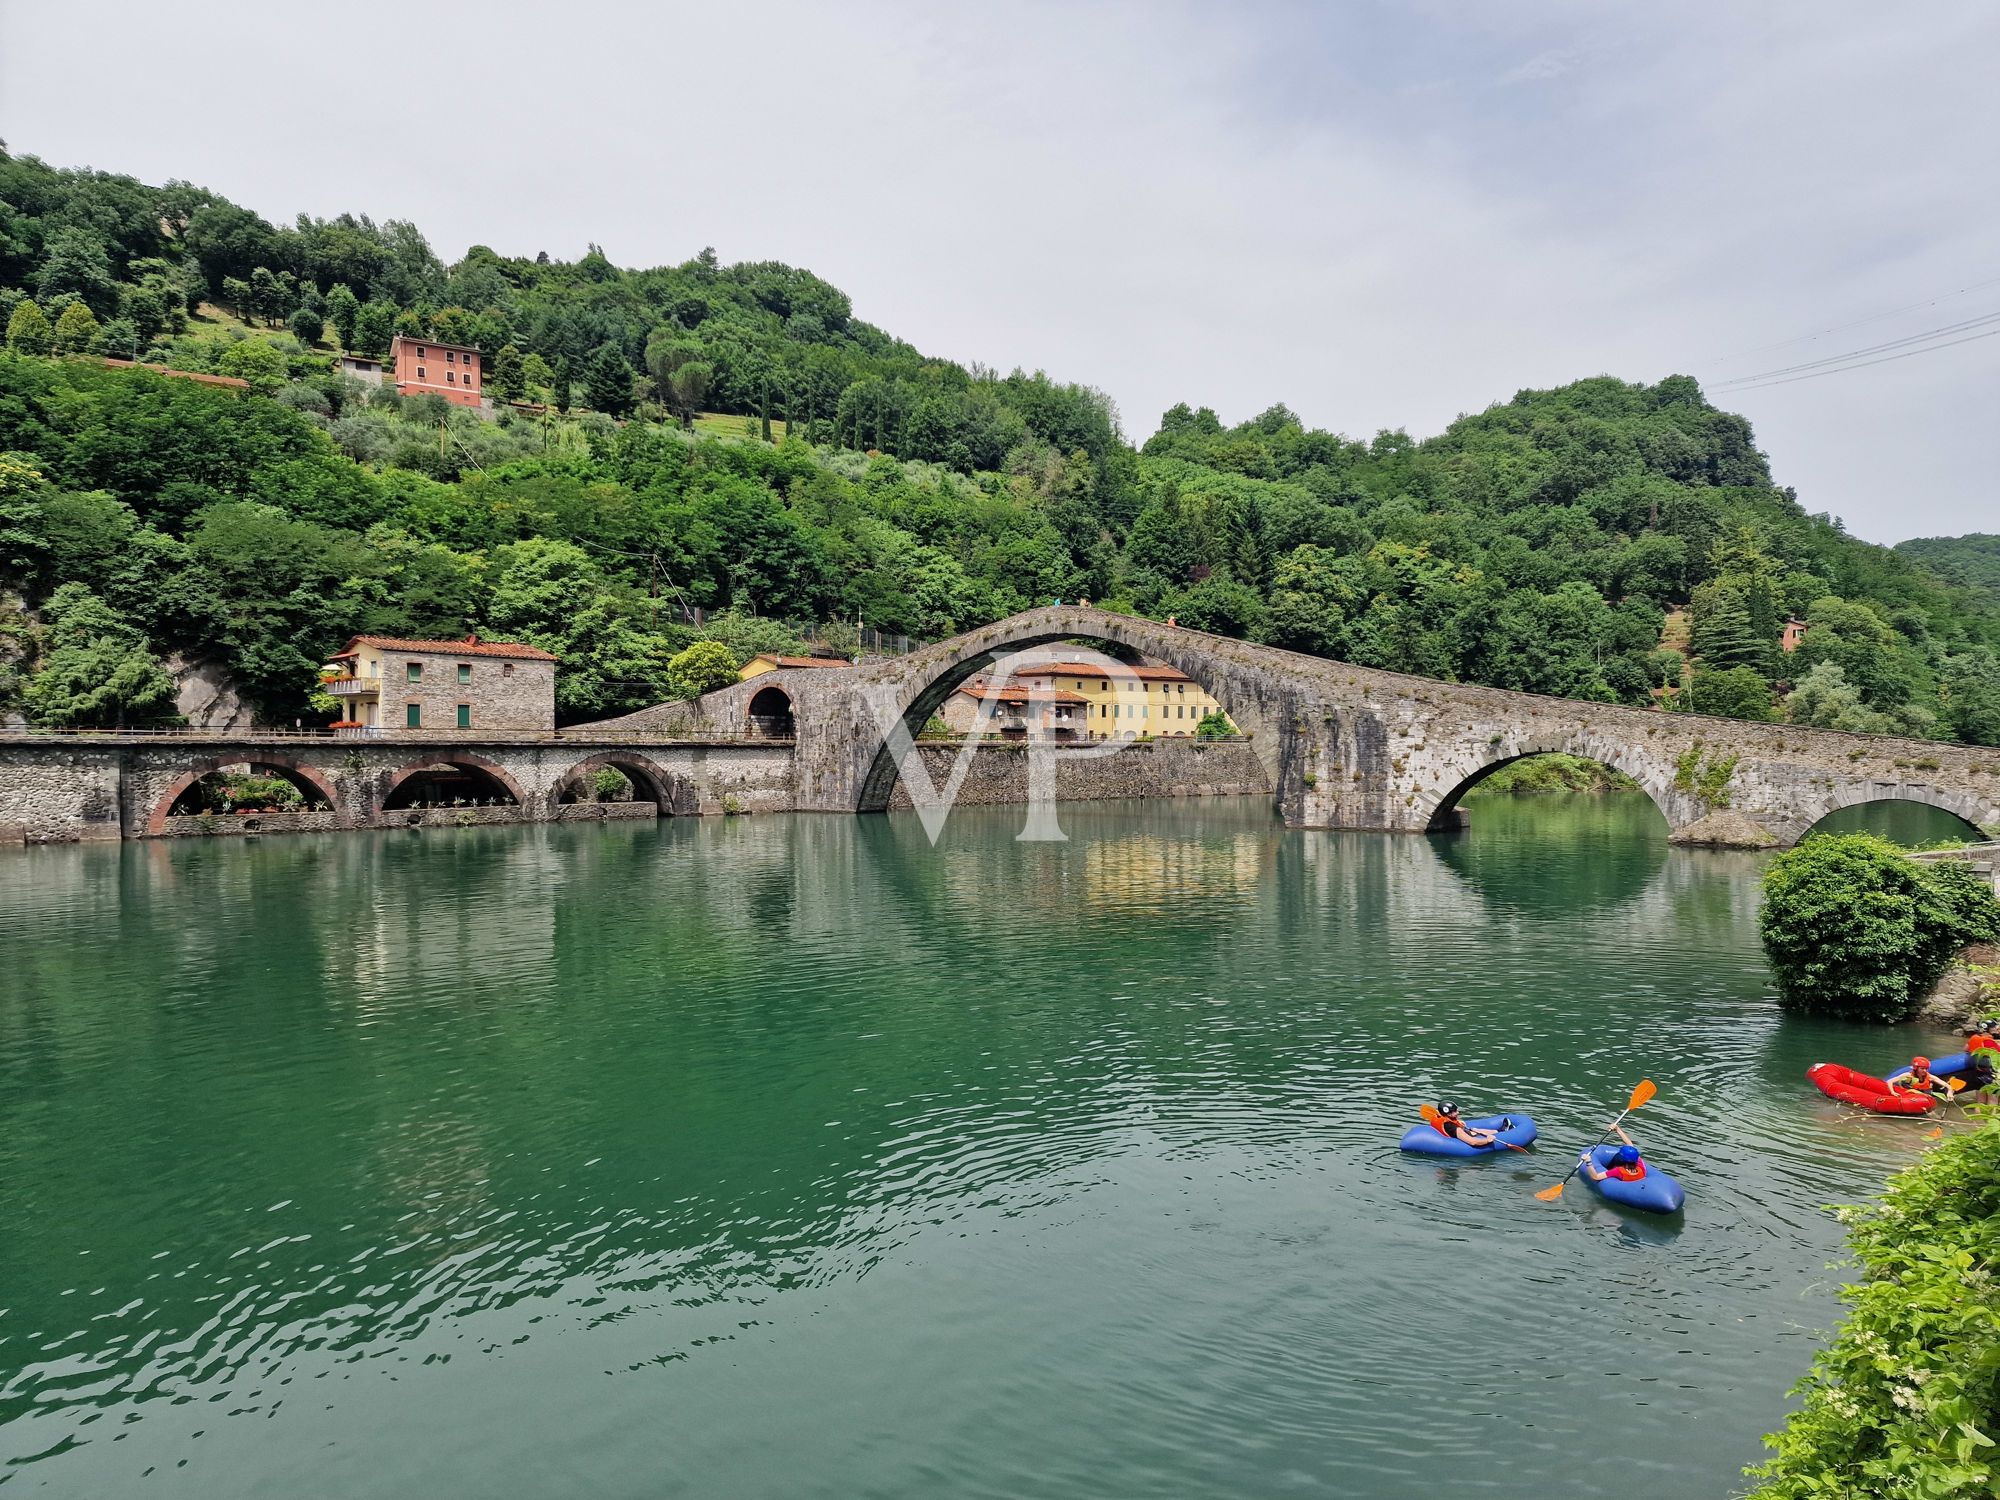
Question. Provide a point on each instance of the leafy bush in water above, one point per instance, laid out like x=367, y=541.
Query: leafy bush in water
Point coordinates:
x=1906, y=1400
x=1855, y=928
x=609, y=784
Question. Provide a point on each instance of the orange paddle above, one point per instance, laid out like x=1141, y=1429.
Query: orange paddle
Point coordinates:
x=1432, y=1117
x=1640, y=1095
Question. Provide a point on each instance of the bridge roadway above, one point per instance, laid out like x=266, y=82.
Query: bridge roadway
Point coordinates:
x=1341, y=747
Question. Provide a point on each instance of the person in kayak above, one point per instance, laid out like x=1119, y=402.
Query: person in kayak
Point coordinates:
x=1449, y=1122
x=1982, y=1039
x=1626, y=1164
x=1978, y=1073
x=1921, y=1080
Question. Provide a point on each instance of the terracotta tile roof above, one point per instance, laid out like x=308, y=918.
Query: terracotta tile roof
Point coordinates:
x=981, y=689
x=471, y=646
x=803, y=661
x=1091, y=669
x=228, y=381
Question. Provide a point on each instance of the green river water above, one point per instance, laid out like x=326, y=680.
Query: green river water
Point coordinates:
x=789, y=1156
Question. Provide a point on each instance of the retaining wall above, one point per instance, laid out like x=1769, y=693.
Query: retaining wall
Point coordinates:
x=998, y=773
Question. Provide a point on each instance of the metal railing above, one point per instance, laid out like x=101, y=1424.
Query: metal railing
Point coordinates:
x=574, y=734
x=353, y=687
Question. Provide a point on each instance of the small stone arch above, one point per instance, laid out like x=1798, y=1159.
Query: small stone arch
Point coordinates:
x=1981, y=818
x=935, y=672
x=291, y=767
x=461, y=758
x=771, y=713
x=1439, y=808
x=673, y=795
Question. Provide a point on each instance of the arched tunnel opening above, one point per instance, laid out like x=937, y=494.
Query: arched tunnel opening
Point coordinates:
x=1532, y=774
x=770, y=714
x=1063, y=691
x=1900, y=820
x=449, y=785
x=250, y=786
x=614, y=781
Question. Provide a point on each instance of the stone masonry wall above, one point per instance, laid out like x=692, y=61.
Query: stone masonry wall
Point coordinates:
x=67, y=789
x=1350, y=747
x=998, y=773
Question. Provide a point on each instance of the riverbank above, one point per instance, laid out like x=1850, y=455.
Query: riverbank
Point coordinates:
x=1904, y=1400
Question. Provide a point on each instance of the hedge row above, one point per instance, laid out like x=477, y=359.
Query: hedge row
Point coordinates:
x=1906, y=1400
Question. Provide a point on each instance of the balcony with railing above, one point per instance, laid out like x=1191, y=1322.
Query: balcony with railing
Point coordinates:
x=354, y=687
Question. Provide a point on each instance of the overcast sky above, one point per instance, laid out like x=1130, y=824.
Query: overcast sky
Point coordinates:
x=1382, y=214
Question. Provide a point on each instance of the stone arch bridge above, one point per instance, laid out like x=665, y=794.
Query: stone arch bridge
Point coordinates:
x=1339, y=746
x=1349, y=747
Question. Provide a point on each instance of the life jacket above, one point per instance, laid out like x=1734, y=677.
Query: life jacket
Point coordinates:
x=1446, y=1126
x=1626, y=1174
x=1983, y=1043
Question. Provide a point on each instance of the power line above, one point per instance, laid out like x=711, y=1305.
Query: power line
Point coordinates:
x=1885, y=359
x=1857, y=323
x=1831, y=359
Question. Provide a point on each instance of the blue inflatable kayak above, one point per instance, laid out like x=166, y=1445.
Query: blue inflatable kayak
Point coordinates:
x=1428, y=1140
x=1656, y=1192
x=1941, y=1067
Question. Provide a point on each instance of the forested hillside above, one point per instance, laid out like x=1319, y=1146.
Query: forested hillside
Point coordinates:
x=1537, y=545
x=1972, y=560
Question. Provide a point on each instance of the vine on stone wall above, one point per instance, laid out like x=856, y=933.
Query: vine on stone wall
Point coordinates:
x=1706, y=781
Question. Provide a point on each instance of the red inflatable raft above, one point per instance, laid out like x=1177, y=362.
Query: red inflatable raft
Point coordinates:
x=1850, y=1087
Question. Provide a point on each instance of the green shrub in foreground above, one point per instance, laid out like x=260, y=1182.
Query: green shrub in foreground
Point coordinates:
x=1905, y=1402
x=1855, y=928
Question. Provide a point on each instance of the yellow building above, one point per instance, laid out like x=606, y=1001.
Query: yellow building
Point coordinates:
x=1153, y=701
x=757, y=666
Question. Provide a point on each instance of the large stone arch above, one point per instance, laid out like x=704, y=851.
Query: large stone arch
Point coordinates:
x=299, y=770
x=928, y=677
x=1437, y=806
x=1980, y=817
x=463, y=758
x=674, y=796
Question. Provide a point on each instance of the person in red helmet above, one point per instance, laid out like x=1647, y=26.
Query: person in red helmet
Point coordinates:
x=1921, y=1080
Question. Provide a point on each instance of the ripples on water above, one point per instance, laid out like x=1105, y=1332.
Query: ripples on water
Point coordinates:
x=790, y=1156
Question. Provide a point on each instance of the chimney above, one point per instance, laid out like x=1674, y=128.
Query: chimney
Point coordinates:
x=472, y=639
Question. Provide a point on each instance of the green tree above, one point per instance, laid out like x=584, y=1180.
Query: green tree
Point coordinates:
x=1214, y=725
x=701, y=668
x=607, y=382
x=343, y=311
x=1856, y=929
x=76, y=330
x=374, y=326
x=1825, y=699
x=95, y=669
x=306, y=326
x=1738, y=693
x=1971, y=693
x=75, y=262
x=560, y=386
x=28, y=330
x=257, y=361
x=119, y=339
x=550, y=594
x=1856, y=638
x=504, y=380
